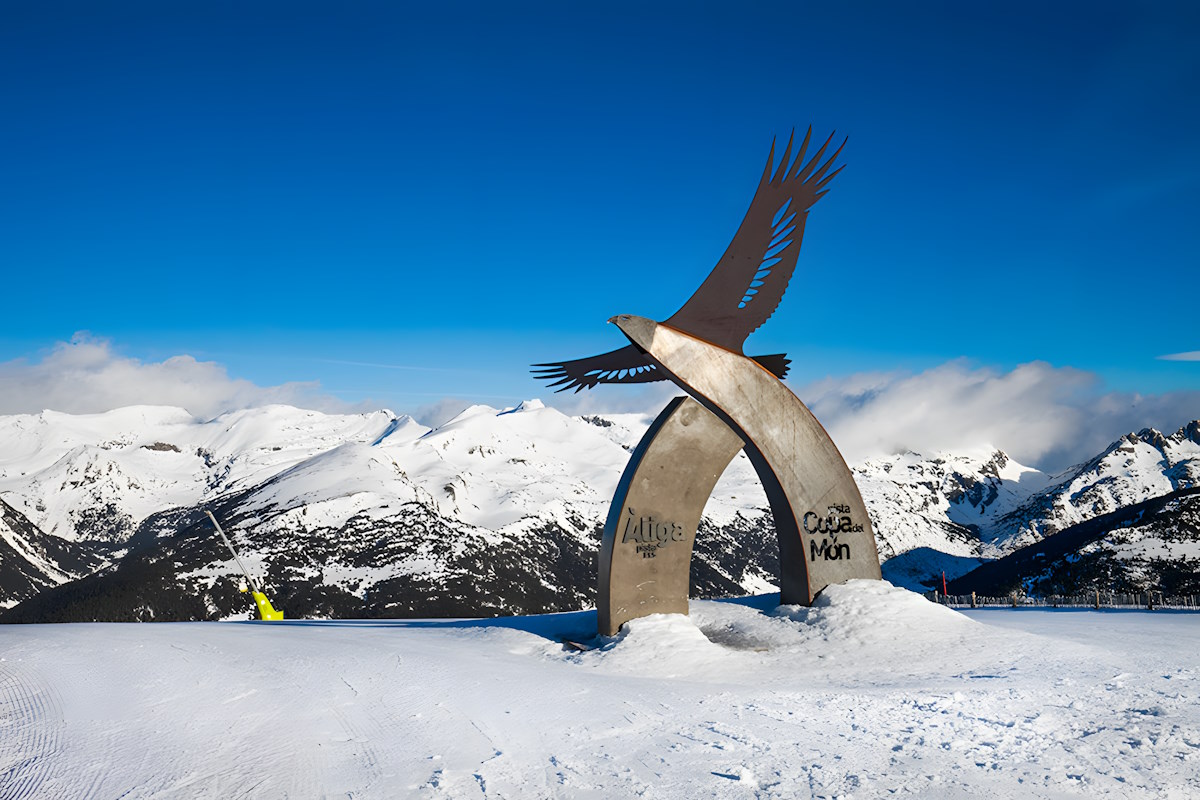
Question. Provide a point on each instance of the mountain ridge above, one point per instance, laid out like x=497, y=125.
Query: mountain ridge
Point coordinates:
x=374, y=511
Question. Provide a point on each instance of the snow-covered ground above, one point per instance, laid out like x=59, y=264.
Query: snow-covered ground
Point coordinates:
x=875, y=692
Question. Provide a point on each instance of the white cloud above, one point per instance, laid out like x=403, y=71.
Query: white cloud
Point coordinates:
x=1044, y=416
x=86, y=376
x=1191, y=355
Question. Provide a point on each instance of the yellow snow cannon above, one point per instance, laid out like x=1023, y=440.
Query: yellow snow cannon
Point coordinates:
x=266, y=611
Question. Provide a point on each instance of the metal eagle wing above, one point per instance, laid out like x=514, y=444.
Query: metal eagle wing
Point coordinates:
x=627, y=365
x=745, y=287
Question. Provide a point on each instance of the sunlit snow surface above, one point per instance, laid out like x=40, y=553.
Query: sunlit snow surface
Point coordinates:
x=874, y=692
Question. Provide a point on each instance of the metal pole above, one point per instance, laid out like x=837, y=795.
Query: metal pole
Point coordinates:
x=225, y=539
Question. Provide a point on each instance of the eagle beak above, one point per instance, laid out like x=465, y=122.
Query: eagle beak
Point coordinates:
x=638, y=330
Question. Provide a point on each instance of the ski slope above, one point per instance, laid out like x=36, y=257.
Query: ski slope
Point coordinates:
x=874, y=692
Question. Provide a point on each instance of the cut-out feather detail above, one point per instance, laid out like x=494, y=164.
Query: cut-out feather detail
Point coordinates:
x=743, y=290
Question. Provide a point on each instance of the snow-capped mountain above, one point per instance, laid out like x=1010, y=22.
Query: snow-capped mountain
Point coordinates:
x=97, y=476
x=370, y=506
x=1134, y=468
x=496, y=511
x=31, y=560
x=935, y=515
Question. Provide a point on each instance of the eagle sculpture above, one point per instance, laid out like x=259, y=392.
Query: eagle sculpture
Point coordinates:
x=744, y=288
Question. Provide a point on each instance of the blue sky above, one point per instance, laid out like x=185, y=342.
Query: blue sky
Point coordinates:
x=407, y=203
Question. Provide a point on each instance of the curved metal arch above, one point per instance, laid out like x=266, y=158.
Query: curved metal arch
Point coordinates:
x=821, y=523
x=646, y=552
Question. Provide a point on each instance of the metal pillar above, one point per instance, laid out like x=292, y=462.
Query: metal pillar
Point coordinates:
x=646, y=552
